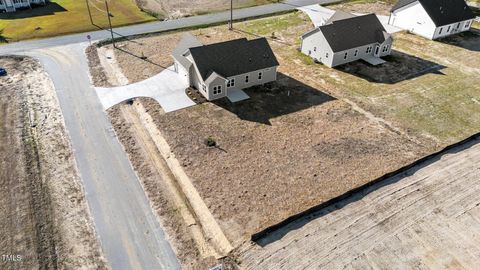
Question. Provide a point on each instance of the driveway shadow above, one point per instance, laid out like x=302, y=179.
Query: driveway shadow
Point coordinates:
x=282, y=97
x=36, y=11
x=399, y=67
x=296, y=222
x=469, y=40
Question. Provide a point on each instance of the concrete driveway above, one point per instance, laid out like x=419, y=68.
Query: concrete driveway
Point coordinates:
x=319, y=15
x=167, y=87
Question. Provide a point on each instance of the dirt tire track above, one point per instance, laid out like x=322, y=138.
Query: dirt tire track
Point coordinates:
x=40, y=200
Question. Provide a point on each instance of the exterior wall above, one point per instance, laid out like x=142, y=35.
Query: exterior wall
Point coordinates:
x=317, y=47
x=195, y=78
x=415, y=19
x=181, y=70
x=338, y=57
x=268, y=75
x=218, y=81
x=451, y=29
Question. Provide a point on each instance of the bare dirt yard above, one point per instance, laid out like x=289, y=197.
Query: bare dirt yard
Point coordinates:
x=184, y=8
x=45, y=221
x=425, y=218
x=317, y=132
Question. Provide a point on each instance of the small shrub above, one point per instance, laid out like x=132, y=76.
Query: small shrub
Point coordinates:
x=210, y=142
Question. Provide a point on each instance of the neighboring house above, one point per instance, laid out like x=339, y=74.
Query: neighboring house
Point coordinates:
x=345, y=38
x=432, y=19
x=12, y=5
x=218, y=68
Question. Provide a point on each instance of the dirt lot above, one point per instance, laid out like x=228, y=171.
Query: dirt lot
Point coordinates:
x=45, y=222
x=381, y=7
x=317, y=132
x=184, y=8
x=426, y=218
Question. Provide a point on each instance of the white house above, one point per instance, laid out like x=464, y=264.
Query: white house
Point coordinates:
x=432, y=19
x=345, y=38
x=12, y=5
x=218, y=68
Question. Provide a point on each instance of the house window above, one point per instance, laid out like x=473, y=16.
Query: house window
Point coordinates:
x=369, y=49
x=377, y=49
x=345, y=56
x=448, y=29
x=467, y=24
x=356, y=53
x=458, y=25
x=246, y=79
x=440, y=32
x=309, y=52
x=204, y=88
x=314, y=49
x=217, y=89
x=231, y=83
x=260, y=75
x=326, y=55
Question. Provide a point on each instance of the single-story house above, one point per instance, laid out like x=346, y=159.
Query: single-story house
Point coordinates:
x=345, y=38
x=12, y=5
x=432, y=19
x=218, y=68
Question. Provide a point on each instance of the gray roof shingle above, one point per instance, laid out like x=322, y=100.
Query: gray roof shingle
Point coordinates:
x=233, y=57
x=186, y=42
x=354, y=32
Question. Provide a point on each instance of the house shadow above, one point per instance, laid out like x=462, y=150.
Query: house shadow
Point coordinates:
x=278, y=231
x=469, y=40
x=50, y=8
x=3, y=39
x=398, y=67
x=282, y=97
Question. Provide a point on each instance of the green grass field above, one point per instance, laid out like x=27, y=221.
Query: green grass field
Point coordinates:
x=67, y=16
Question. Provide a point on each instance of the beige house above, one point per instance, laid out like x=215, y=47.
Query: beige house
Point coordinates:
x=345, y=38
x=220, y=68
x=13, y=5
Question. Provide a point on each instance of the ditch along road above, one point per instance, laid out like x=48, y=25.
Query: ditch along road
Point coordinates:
x=129, y=232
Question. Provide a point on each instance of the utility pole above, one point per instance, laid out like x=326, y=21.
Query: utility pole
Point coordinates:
x=230, y=27
x=110, y=23
x=89, y=12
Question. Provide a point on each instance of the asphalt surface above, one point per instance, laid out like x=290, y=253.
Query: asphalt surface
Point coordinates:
x=161, y=25
x=129, y=232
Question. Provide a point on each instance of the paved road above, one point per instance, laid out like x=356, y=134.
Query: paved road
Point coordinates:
x=162, y=25
x=130, y=234
x=427, y=218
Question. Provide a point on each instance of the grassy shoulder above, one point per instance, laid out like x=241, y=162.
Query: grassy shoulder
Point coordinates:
x=61, y=17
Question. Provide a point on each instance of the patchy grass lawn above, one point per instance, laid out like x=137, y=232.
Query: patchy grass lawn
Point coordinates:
x=61, y=17
x=314, y=134
x=181, y=8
